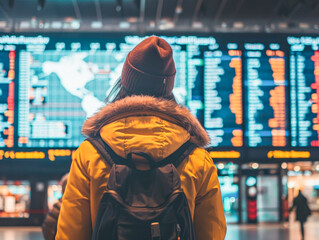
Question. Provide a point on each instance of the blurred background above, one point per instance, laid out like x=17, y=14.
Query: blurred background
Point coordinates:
x=247, y=69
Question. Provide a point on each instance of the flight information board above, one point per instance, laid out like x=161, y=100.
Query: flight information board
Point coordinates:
x=60, y=88
x=64, y=88
x=7, y=82
x=195, y=68
x=223, y=116
x=304, y=81
x=265, y=99
x=254, y=94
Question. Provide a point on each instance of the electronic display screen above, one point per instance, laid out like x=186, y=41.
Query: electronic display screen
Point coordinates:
x=223, y=115
x=304, y=90
x=64, y=89
x=7, y=81
x=252, y=93
x=265, y=99
x=63, y=83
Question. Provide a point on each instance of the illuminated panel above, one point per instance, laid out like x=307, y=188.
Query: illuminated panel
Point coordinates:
x=51, y=154
x=15, y=199
x=64, y=83
x=265, y=100
x=63, y=88
x=288, y=154
x=224, y=154
x=7, y=76
x=304, y=75
x=180, y=89
x=195, y=68
x=223, y=115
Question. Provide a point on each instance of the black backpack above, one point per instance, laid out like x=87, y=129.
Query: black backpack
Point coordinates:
x=143, y=204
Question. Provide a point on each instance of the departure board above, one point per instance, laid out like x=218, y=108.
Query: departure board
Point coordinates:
x=265, y=99
x=255, y=94
x=304, y=81
x=61, y=87
x=223, y=116
x=64, y=88
x=195, y=68
x=7, y=82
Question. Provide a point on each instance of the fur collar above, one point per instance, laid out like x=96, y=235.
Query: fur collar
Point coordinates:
x=148, y=106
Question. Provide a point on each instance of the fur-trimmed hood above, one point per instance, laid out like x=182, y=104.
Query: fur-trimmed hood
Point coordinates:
x=148, y=106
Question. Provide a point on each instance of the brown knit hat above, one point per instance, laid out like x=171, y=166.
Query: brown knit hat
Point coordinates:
x=149, y=69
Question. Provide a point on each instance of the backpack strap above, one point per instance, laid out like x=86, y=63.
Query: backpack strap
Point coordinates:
x=99, y=145
x=179, y=155
x=111, y=157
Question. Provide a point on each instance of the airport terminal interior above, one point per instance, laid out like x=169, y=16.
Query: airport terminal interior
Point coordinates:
x=248, y=70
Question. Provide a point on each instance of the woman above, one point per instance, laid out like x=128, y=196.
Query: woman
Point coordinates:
x=143, y=117
x=302, y=211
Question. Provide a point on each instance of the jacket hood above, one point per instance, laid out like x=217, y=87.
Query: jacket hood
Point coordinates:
x=147, y=106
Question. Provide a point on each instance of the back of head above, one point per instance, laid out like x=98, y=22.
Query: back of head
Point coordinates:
x=149, y=69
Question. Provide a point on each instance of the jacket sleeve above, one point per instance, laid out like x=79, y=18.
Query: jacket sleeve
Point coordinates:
x=209, y=219
x=75, y=218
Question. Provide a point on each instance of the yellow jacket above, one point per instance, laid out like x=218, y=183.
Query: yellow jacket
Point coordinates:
x=157, y=127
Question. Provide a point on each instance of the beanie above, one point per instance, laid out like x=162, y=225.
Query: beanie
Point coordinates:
x=149, y=69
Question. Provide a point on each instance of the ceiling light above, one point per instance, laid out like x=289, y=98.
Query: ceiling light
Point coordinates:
x=96, y=24
x=283, y=25
x=197, y=25
x=284, y=165
x=178, y=9
x=75, y=24
x=132, y=19
x=304, y=25
x=238, y=25
x=3, y=24
x=56, y=24
x=255, y=165
x=24, y=24
x=124, y=24
x=220, y=166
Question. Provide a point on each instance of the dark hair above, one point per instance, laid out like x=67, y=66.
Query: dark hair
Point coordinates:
x=119, y=92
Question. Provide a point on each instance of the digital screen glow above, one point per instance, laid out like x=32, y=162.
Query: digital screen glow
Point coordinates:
x=7, y=85
x=265, y=84
x=256, y=96
x=63, y=83
x=304, y=81
x=223, y=95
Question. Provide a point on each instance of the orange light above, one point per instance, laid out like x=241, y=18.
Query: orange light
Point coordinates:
x=225, y=154
x=288, y=154
x=236, y=97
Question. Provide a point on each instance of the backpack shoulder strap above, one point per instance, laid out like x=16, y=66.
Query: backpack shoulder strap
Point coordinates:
x=99, y=145
x=179, y=155
x=108, y=154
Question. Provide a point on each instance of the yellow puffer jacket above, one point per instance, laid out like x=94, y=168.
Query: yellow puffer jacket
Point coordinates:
x=157, y=127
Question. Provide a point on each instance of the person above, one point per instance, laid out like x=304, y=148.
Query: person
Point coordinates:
x=49, y=226
x=302, y=211
x=143, y=116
